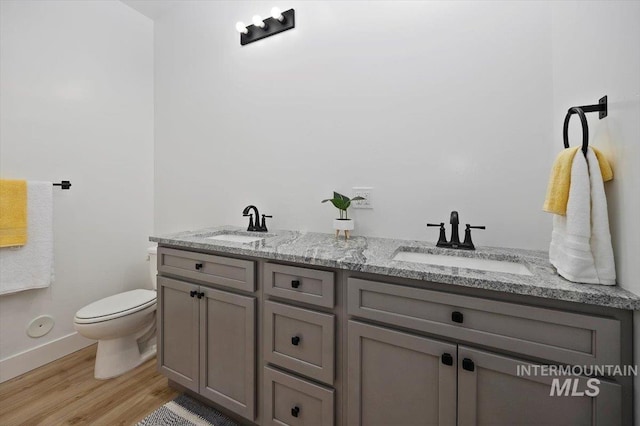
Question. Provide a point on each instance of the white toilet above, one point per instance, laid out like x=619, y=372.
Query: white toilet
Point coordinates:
x=124, y=326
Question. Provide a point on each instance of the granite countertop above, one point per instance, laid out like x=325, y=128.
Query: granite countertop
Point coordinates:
x=374, y=255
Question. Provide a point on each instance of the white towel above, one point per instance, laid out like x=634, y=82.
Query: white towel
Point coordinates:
x=31, y=266
x=601, y=246
x=580, y=246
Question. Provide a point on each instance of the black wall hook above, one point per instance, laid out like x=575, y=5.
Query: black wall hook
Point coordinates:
x=601, y=107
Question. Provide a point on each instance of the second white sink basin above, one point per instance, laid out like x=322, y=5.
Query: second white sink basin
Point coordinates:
x=463, y=262
x=234, y=238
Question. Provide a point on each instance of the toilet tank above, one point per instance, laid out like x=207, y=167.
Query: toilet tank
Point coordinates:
x=153, y=265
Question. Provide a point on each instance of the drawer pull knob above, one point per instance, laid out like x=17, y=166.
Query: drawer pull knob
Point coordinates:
x=198, y=266
x=457, y=317
x=295, y=340
x=295, y=283
x=468, y=365
x=193, y=293
x=447, y=359
x=295, y=411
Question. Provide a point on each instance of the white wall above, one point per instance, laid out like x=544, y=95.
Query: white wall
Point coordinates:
x=76, y=81
x=438, y=105
x=596, y=52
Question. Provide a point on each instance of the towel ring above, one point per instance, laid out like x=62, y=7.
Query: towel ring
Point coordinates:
x=585, y=128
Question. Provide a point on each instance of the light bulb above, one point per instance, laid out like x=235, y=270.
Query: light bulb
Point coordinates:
x=276, y=13
x=257, y=21
x=241, y=27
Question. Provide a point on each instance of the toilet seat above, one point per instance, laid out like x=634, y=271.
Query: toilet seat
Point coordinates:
x=116, y=306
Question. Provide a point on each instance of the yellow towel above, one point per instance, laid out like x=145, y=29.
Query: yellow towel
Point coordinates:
x=560, y=179
x=13, y=213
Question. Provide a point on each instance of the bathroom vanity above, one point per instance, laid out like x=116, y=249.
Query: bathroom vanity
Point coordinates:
x=293, y=328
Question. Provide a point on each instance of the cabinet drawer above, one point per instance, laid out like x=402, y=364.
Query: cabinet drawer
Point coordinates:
x=293, y=401
x=537, y=332
x=228, y=272
x=300, y=340
x=299, y=284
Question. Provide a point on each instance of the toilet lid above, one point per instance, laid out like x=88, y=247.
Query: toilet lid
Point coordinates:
x=117, y=305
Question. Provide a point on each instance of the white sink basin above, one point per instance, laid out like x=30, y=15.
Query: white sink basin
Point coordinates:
x=463, y=262
x=234, y=238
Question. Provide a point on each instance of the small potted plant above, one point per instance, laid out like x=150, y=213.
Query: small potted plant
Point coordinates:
x=342, y=203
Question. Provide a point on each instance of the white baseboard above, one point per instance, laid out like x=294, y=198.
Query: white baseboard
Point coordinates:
x=23, y=362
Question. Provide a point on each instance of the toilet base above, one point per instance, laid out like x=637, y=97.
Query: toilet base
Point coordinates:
x=118, y=356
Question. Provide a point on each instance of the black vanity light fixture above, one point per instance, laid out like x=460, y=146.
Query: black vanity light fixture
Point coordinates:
x=263, y=28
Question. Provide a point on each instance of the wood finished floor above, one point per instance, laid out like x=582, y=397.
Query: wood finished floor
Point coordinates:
x=65, y=392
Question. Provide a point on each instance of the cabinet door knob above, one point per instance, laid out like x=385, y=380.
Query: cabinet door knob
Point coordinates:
x=468, y=365
x=295, y=340
x=447, y=359
x=457, y=317
x=295, y=283
x=193, y=293
x=200, y=295
x=198, y=266
x=295, y=411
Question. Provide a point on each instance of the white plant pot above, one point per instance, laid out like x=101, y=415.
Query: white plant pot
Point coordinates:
x=345, y=225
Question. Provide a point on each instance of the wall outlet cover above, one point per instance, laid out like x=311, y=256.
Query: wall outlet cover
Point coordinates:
x=364, y=192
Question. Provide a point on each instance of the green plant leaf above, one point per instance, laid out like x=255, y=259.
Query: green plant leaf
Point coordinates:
x=358, y=198
x=341, y=202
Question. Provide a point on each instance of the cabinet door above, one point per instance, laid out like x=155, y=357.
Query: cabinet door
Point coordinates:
x=227, y=350
x=178, y=324
x=396, y=378
x=491, y=392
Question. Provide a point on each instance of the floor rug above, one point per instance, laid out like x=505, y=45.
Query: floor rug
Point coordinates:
x=186, y=411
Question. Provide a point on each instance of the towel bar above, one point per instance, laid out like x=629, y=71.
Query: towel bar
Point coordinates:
x=601, y=107
x=65, y=184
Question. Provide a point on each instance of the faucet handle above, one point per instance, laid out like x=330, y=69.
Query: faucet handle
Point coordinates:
x=468, y=243
x=251, y=226
x=442, y=238
x=263, y=226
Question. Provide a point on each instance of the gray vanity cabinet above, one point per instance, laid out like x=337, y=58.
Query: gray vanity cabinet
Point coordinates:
x=491, y=392
x=396, y=378
x=207, y=342
x=353, y=349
